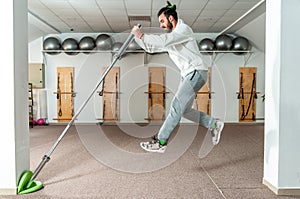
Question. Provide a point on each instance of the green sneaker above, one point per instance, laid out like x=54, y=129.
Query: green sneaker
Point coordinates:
x=216, y=132
x=154, y=146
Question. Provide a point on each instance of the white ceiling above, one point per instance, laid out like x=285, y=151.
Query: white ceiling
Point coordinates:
x=60, y=16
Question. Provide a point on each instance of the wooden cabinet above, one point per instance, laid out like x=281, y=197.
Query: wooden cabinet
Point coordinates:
x=36, y=75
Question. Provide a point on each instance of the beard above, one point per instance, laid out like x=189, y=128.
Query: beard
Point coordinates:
x=169, y=27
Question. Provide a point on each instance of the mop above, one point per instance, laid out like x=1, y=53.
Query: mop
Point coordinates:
x=27, y=184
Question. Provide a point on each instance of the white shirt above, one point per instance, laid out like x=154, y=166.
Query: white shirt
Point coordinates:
x=180, y=44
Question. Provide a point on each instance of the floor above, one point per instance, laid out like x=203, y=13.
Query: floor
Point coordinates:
x=106, y=161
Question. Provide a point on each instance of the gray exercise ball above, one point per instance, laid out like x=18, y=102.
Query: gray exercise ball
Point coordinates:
x=116, y=46
x=70, y=44
x=87, y=43
x=133, y=46
x=240, y=44
x=206, y=45
x=104, y=42
x=223, y=42
x=51, y=43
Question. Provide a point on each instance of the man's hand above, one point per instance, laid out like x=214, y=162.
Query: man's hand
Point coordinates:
x=137, y=32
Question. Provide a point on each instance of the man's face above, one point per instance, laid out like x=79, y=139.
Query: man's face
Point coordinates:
x=165, y=23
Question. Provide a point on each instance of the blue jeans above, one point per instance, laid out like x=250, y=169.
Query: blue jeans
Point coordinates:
x=182, y=104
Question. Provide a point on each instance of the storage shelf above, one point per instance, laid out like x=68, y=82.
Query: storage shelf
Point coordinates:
x=226, y=51
x=30, y=98
x=64, y=92
x=139, y=51
x=163, y=92
x=91, y=51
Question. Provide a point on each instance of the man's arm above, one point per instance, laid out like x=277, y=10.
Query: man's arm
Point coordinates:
x=163, y=40
x=149, y=46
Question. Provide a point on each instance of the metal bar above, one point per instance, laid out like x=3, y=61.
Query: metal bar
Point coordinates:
x=46, y=158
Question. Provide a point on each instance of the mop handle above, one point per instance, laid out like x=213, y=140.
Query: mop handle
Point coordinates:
x=46, y=158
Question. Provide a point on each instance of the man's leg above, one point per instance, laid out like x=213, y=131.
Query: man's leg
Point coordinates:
x=181, y=102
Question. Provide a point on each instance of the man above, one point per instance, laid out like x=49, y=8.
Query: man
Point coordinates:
x=184, y=52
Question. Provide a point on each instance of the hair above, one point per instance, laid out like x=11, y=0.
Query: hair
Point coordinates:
x=168, y=10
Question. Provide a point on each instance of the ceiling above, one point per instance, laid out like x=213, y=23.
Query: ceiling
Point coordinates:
x=61, y=16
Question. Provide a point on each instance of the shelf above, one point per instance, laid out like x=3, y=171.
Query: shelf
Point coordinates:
x=64, y=92
x=157, y=92
x=30, y=106
x=63, y=118
x=158, y=120
x=139, y=51
x=90, y=51
x=205, y=92
x=248, y=92
x=226, y=51
x=108, y=92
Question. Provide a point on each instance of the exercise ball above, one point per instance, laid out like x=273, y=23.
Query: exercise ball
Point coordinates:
x=133, y=46
x=87, y=43
x=223, y=42
x=40, y=121
x=116, y=46
x=240, y=44
x=70, y=44
x=104, y=42
x=206, y=45
x=51, y=43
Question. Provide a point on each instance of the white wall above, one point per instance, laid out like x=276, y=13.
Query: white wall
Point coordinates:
x=34, y=51
x=134, y=79
x=14, y=138
x=281, y=155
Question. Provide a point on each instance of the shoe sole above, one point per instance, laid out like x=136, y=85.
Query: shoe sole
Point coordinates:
x=153, y=151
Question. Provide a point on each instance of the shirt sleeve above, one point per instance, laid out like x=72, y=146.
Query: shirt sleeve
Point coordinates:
x=149, y=47
x=166, y=40
x=160, y=43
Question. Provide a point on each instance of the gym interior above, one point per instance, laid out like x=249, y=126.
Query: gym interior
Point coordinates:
x=79, y=89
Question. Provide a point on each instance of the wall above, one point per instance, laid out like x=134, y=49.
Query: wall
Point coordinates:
x=14, y=138
x=134, y=78
x=281, y=155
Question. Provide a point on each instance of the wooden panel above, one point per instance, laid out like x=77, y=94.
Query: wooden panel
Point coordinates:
x=64, y=94
x=156, y=93
x=247, y=94
x=110, y=96
x=203, y=97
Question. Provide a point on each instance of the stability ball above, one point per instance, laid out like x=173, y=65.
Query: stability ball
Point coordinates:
x=87, y=43
x=69, y=45
x=40, y=121
x=206, y=45
x=116, y=46
x=223, y=42
x=104, y=42
x=133, y=46
x=51, y=43
x=240, y=44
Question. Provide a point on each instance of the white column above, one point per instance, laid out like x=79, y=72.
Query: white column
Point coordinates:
x=14, y=136
x=282, y=104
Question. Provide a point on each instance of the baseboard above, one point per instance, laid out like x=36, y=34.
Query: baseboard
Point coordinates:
x=8, y=192
x=282, y=192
